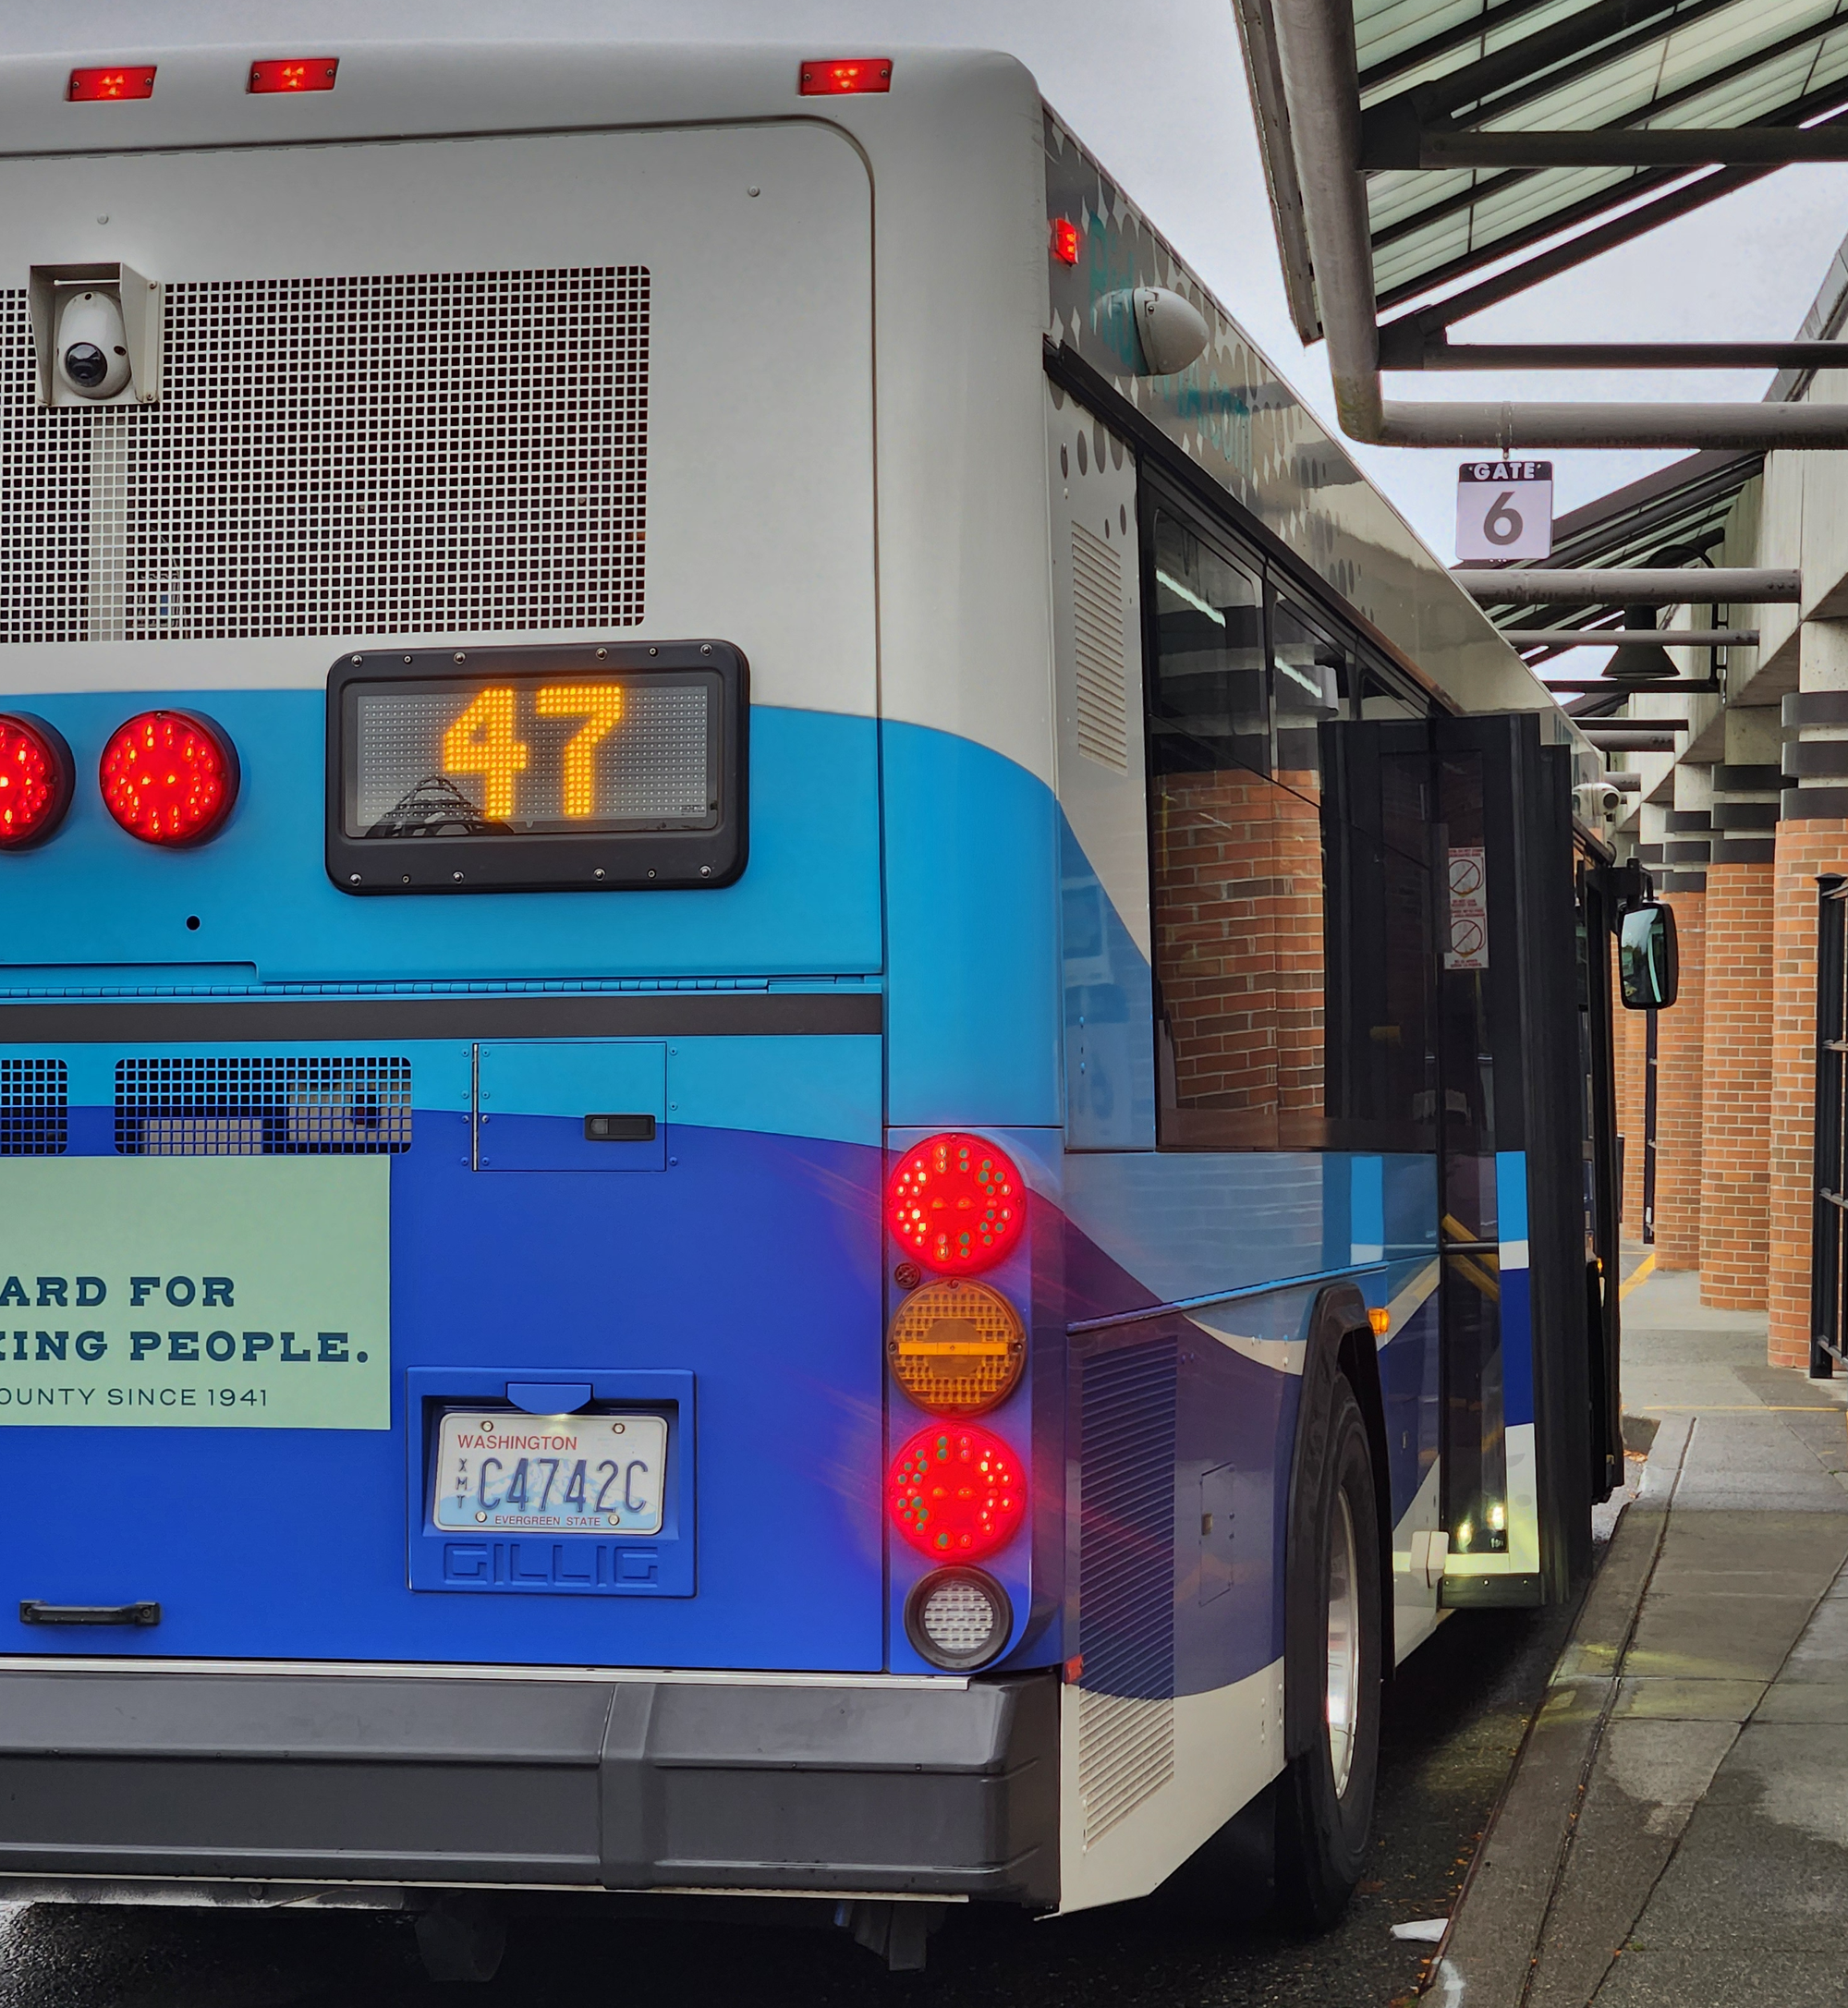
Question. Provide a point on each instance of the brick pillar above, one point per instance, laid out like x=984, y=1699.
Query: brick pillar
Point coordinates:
x=1736, y=1084
x=1630, y=1043
x=1806, y=846
x=1678, y=1096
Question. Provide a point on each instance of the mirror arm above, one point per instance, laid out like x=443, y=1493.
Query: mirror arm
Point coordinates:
x=1626, y=887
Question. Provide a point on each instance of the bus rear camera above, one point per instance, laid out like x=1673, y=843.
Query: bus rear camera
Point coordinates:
x=85, y=364
x=92, y=351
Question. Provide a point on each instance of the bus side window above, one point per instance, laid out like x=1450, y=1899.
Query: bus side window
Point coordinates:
x=1290, y=874
x=1235, y=859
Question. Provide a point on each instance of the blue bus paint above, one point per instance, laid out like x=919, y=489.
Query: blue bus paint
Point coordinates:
x=1410, y=1392
x=753, y=1268
x=809, y=902
x=971, y=862
x=1135, y=1228
x=1366, y=1207
x=1109, y=1014
x=1517, y=1324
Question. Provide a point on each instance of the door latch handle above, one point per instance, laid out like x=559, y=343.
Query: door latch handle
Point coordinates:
x=32, y=1611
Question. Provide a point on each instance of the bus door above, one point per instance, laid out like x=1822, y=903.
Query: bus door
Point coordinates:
x=1517, y=1354
x=1508, y=1137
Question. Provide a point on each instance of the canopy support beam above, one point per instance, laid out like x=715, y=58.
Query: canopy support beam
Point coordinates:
x=1441, y=149
x=1404, y=345
x=1614, y=585
x=1316, y=54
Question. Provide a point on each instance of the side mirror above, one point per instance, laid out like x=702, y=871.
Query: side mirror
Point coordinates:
x=1648, y=964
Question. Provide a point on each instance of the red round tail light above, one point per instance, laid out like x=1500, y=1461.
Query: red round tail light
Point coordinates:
x=37, y=780
x=169, y=777
x=956, y=1203
x=956, y=1493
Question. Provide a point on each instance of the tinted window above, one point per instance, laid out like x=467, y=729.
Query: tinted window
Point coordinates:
x=1249, y=691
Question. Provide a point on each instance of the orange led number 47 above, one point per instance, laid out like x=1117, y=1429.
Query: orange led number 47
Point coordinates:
x=485, y=740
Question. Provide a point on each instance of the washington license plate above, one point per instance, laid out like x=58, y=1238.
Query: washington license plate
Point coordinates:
x=588, y=1474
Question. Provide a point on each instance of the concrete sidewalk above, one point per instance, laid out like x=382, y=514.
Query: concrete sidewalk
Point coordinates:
x=1676, y=1831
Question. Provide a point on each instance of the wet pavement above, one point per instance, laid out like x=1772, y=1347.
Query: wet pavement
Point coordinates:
x=1454, y=1720
x=1677, y=1832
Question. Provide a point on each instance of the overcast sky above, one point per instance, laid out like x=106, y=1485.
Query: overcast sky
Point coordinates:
x=1157, y=90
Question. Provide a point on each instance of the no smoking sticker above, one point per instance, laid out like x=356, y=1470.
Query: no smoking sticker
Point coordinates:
x=1504, y=509
x=1469, y=947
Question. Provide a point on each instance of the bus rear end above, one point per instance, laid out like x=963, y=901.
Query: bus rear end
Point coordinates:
x=445, y=1212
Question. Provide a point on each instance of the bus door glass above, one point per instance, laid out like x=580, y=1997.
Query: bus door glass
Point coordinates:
x=1475, y=1461
x=1517, y=1349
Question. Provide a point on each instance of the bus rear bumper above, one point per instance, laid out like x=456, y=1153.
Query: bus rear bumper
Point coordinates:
x=617, y=1782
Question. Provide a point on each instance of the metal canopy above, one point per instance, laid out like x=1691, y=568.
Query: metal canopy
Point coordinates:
x=1429, y=158
x=1442, y=79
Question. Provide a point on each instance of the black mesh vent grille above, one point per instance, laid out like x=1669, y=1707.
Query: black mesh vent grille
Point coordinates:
x=34, y=1095
x=422, y=453
x=306, y=1107
x=1126, y=1533
x=1126, y=1584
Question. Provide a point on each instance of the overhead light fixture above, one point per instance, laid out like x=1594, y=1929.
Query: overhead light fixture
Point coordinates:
x=1640, y=662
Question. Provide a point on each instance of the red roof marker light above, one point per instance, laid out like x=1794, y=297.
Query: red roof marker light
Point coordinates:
x=169, y=777
x=100, y=86
x=1064, y=240
x=37, y=780
x=845, y=76
x=294, y=73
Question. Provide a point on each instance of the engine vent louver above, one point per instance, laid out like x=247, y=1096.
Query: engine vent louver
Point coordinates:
x=1097, y=634
x=306, y=1107
x=1127, y=1582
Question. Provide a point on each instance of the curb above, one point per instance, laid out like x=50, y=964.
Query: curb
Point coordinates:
x=1489, y=1952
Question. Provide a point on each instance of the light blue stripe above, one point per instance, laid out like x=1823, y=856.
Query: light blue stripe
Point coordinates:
x=811, y=1087
x=1186, y=1304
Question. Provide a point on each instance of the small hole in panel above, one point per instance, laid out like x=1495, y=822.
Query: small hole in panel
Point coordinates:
x=192, y=922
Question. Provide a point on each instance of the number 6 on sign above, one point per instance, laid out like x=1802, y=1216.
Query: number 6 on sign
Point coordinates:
x=601, y=704
x=1504, y=509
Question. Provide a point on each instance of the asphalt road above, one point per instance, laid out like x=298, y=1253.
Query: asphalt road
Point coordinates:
x=1453, y=1719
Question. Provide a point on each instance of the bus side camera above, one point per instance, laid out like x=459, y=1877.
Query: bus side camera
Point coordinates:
x=92, y=345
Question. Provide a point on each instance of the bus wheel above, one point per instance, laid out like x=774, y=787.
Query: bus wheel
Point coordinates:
x=1325, y=1796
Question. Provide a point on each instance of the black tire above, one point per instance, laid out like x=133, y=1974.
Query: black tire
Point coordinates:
x=1324, y=1819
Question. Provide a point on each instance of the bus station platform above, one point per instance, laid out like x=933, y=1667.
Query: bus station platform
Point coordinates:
x=1676, y=1828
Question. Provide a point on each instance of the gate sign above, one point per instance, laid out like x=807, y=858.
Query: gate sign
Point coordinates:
x=1504, y=509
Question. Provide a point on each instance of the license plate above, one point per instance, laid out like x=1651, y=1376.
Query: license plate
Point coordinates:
x=564, y=1474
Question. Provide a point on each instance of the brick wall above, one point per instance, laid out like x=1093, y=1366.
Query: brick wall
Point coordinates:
x=1679, y=1055
x=1735, y=1086
x=1630, y=1043
x=1296, y=837
x=1805, y=846
x=1239, y=950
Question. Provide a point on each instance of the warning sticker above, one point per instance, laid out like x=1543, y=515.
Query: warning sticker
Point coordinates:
x=1469, y=945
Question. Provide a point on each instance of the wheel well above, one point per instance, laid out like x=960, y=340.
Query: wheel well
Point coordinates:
x=1358, y=1358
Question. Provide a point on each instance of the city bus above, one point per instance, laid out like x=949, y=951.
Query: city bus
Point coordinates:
x=804, y=1061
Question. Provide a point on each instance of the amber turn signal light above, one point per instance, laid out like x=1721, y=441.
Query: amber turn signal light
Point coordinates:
x=956, y=1347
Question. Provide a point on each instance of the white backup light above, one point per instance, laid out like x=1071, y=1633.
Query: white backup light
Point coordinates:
x=958, y=1618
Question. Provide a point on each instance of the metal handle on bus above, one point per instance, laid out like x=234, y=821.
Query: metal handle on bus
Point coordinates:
x=32, y=1611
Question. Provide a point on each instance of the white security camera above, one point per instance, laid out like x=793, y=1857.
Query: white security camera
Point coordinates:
x=1596, y=801
x=92, y=345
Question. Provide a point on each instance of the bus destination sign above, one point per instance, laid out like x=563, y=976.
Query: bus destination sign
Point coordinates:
x=548, y=767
